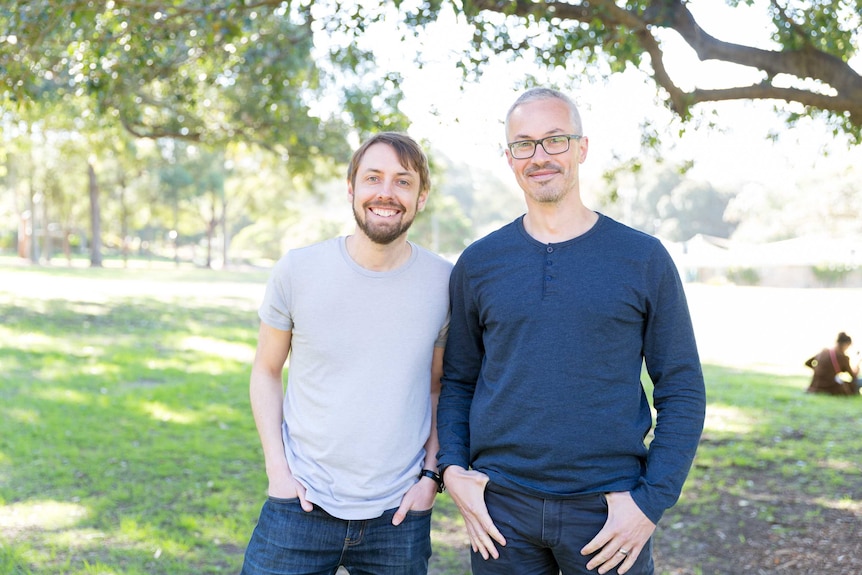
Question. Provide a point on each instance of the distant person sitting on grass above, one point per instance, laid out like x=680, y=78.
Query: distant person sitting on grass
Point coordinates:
x=833, y=373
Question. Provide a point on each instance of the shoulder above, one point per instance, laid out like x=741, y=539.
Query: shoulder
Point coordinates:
x=608, y=225
x=310, y=253
x=489, y=245
x=432, y=260
x=620, y=237
x=306, y=260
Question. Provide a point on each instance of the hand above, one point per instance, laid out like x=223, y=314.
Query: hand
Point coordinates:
x=626, y=529
x=283, y=485
x=420, y=497
x=467, y=489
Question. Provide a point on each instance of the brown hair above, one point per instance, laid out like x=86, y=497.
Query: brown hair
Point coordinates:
x=409, y=152
x=843, y=338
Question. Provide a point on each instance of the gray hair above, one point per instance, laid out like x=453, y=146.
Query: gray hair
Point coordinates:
x=535, y=94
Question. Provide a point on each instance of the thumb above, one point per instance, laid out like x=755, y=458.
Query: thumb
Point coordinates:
x=306, y=505
x=400, y=513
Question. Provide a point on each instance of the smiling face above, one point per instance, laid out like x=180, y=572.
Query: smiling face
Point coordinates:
x=385, y=194
x=546, y=178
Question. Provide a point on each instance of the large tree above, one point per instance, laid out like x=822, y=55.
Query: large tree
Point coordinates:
x=811, y=41
x=210, y=73
x=245, y=67
x=202, y=71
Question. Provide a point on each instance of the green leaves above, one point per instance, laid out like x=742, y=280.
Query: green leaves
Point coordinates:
x=195, y=71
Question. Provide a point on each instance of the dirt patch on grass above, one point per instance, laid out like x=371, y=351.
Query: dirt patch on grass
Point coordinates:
x=763, y=533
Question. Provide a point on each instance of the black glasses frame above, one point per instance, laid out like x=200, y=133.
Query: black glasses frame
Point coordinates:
x=537, y=143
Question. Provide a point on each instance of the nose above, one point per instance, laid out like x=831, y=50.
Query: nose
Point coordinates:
x=386, y=190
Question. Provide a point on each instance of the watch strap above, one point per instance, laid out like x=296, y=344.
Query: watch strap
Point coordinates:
x=435, y=476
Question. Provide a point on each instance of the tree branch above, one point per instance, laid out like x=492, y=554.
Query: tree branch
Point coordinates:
x=805, y=63
x=767, y=91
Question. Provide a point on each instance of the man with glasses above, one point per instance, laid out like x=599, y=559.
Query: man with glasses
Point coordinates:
x=350, y=448
x=543, y=419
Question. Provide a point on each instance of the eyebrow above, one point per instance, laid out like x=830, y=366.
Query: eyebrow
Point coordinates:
x=548, y=133
x=379, y=171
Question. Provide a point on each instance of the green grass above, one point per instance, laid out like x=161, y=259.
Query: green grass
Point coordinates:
x=775, y=468
x=127, y=444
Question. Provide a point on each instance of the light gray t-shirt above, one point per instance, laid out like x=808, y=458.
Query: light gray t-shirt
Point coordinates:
x=357, y=409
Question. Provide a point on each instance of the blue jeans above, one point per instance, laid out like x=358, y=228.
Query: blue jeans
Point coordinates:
x=545, y=536
x=290, y=541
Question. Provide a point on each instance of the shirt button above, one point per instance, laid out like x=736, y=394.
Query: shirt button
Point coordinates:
x=550, y=249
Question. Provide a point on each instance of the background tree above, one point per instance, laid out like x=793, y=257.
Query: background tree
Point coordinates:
x=812, y=42
x=662, y=200
x=282, y=90
x=205, y=73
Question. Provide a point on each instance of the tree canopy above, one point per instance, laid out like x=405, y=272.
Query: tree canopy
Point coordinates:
x=249, y=69
x=199, y=71
x=812, y=43
x=186, y=117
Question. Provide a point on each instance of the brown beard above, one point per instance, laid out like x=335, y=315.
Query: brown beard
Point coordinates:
x=383, y=235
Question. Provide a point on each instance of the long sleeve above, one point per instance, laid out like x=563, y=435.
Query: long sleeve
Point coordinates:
x=679, y=395
x=462, y=363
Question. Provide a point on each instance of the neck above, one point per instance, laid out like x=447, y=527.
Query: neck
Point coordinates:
x=376, y=257
x=552, y=223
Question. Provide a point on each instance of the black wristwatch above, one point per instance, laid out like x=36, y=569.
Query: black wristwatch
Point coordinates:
x=435, y=476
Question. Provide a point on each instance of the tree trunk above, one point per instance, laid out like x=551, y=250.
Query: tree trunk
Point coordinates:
x=210, y=228
x=95, y=219
x=124, y=219
x=224, y=233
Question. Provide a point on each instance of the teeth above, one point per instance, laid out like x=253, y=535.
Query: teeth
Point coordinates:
x=382, y=212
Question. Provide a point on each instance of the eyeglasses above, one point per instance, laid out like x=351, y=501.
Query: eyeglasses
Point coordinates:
x=553, y=145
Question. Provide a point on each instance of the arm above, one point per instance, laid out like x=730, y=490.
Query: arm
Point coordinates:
x=463, y=360
x=422, y=494
x=680, y=401
x=679, y=394
x=845, y=363
x=433, y=444
x=266, y=391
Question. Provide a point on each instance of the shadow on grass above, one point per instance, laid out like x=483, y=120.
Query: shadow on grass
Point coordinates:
x=776, y=483
x=126, y=441
x=127, y=446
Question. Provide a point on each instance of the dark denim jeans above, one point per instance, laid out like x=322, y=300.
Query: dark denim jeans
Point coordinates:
x=545, y=536
x=290, y=541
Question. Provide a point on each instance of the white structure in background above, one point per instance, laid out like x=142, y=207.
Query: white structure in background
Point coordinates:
x=810, y=261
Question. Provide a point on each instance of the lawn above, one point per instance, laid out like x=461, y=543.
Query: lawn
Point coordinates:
x=127, y=444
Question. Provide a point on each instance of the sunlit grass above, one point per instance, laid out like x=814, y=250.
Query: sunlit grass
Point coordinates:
x=127, y=444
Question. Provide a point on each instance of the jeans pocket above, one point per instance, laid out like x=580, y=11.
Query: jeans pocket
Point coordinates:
x=283, y=501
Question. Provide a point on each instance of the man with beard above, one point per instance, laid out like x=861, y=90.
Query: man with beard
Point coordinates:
x=350, y=447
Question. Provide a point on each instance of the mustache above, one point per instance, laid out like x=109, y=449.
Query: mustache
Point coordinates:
x=533, y=168
x=377, y=204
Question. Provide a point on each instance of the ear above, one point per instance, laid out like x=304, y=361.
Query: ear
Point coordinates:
x=509, y=159
x=583, y=148
x=349, y=192
x=420, y=203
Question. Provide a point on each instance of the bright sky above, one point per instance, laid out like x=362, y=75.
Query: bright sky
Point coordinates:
x=466, y=119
